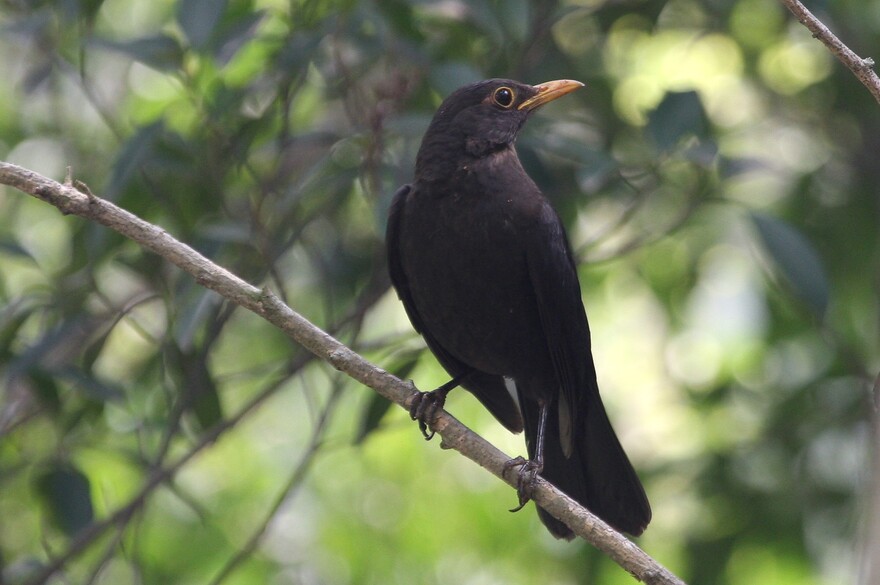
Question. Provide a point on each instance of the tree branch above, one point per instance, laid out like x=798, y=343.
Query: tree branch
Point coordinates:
x=74, y=198
x=861, y=68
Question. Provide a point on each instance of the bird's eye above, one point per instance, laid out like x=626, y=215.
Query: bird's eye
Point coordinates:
x=503, y=97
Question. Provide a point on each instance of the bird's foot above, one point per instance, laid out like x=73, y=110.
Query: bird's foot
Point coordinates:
x=525, y=479
x=424, y=408
x=425, y=405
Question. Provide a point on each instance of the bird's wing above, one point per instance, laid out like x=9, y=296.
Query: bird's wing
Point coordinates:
x=489, y=389
x=606, y=483
x=553, y=275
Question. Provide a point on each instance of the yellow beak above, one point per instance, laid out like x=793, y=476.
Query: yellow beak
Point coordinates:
x=549, y=91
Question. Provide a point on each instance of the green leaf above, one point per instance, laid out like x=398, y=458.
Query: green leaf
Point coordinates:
x=72, y=10
x=50, y=340
x=400, y=15
x=796, y=260
x=161, y=52
x=371, y=417
x=197, y=389
x=66, y=495
x=91, y=386
x=234, y=33
x=46, y=389
x=11, y=321
x=93, y=351
x=133, y=156
x=13, y=248
x=204, y=398
x=199, y=20
x=297, y=52
x=680, y=114
x=37, y=76
x=378, y=406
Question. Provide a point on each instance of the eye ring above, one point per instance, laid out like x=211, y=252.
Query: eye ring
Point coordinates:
x=503, y=96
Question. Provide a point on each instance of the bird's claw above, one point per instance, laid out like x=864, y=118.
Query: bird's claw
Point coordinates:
x=424, y=408
x=525, y=479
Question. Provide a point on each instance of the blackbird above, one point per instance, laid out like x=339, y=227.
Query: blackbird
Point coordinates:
x=485, y=272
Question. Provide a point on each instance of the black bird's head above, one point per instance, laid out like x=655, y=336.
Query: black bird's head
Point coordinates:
x=480, y=119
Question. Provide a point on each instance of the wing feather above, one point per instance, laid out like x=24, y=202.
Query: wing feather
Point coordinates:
x=489, y=389
x=553, y=275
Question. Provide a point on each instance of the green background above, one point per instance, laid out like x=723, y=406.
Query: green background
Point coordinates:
x=719, y=180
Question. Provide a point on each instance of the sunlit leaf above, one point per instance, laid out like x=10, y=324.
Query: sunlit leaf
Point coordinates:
x=613, y=12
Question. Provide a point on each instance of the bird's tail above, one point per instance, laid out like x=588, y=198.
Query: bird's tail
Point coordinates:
x=597, y=475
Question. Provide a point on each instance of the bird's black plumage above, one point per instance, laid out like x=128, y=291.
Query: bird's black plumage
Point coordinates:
x=483, y=266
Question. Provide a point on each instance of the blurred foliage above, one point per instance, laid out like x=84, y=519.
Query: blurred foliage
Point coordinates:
x=719, y=179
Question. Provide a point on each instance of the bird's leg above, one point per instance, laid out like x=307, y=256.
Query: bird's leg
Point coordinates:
x=529, y=469
x=425, y=405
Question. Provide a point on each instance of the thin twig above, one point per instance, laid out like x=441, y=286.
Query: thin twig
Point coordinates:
x=79, y=201
x=861, y=68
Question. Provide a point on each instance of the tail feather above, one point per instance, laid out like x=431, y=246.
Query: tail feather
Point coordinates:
x=598, y=474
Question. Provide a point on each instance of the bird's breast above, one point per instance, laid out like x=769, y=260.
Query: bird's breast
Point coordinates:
x=465, y=260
